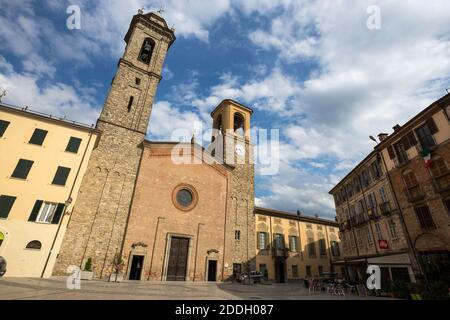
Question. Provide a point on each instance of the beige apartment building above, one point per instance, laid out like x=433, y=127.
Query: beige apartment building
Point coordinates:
x=292, y=247
x=42, y=161
x=371, y=228
x=417, y=157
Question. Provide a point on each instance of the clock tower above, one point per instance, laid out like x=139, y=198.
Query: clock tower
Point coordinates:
x=231, y=145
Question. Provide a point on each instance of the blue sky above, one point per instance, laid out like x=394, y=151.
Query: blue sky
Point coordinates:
x=311, y=69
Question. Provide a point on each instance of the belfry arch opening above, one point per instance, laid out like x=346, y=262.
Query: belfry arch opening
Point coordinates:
x=145, y=55
x=239, y=124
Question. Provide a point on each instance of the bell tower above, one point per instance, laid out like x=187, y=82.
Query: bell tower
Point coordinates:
x=97, y=223
x=231, y=138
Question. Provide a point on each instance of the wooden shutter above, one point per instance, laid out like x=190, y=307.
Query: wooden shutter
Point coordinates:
x=3, y=126
x=6, y=203
x=258, y=240
x=61, y=176
x=58, y=213
x=432, y=126
x=391, y=152
x=34, y=213
x=38, y=137
x=22, y=169
x=73, y=145
x=409, y=140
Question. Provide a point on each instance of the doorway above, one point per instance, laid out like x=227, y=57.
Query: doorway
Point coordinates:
x=137, y=264
x=279, y=270
x=178, y=258
x=212, y=270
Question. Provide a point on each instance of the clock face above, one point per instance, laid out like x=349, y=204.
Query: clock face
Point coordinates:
x=240, y=150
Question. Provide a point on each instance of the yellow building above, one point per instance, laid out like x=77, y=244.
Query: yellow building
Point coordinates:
x=42, y=159
x=292, y=247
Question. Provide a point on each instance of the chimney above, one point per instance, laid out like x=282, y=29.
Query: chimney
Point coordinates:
x=299, y=213
x=396, y=127
x=382, y=136
x=316, y=215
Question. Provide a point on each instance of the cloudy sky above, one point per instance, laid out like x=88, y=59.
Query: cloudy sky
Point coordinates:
x=312, y=69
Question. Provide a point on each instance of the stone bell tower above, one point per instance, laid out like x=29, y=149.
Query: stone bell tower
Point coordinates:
x=97, y=224
x=231, y=121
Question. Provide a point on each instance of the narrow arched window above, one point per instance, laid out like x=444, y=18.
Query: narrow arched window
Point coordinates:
x=146, y=51
x=239, y=123
x=34, y=245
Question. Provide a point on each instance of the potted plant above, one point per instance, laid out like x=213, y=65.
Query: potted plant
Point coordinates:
x=87, y=273
x=118, y=266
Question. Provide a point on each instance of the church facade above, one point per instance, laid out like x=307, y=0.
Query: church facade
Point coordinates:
x=137, y=208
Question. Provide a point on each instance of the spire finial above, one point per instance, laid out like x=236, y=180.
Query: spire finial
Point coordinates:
x=141, y=11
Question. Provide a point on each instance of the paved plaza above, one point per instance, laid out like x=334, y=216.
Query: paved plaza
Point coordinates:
x=55, y=289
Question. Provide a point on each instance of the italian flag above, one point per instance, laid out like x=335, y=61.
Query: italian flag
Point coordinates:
x=426, y=155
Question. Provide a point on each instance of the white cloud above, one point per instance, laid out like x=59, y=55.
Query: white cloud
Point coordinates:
x=56, y=99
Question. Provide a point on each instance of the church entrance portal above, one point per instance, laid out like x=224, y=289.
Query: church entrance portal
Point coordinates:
x=178, y=258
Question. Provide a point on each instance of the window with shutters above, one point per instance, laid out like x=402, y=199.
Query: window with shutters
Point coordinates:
x=34, y=245
x=425, y=134
x=22, y=169
x=60, y=179
x=311, y=247
x=47, y=212
x=3, y=126
x=293, y=243
x=38, y=137
x=440, y=173
x=73, y=145
x=409, y=140
x=335, y=251
x=393, y=229
x=6, y=204
x=294, y=271
x=237, y=235
x=413, y=190
x=322, y=248
x=308, y=271
x=378, y=232
x=424, y=217
x=376, y=170
x=369, y=236
x=279, y=241
x=402, y=156
x=262, y=241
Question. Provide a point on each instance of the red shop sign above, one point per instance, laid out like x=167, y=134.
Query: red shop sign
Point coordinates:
x=383, y=244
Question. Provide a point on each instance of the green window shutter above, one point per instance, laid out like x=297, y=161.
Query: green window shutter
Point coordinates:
x=258, y=240
x=58, y=213
x=73, y=145
x=6, y=203
x=3, y=126
x=62, y=173
x=391, y=152
x=22, y=169
x=38, y=137
x=34, y=213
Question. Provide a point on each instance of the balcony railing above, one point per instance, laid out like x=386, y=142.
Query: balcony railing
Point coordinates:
x=280, y=252
x=373, y=213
